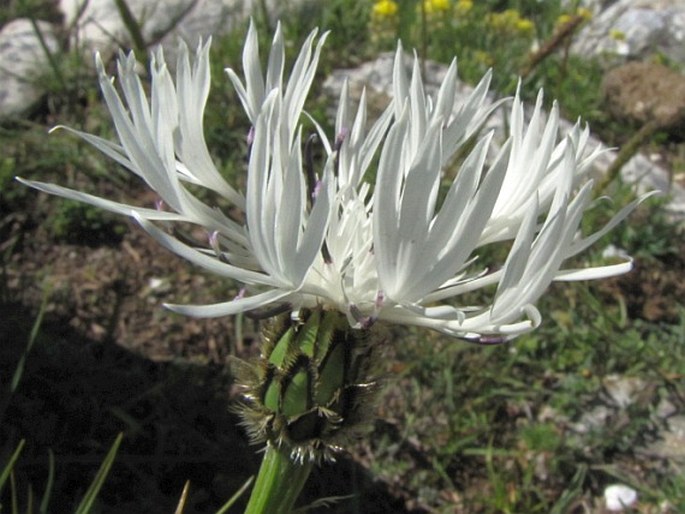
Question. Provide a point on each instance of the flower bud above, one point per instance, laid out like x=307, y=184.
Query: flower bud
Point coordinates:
x=311, y=390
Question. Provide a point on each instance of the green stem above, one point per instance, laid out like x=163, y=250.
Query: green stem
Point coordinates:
x=278, y=484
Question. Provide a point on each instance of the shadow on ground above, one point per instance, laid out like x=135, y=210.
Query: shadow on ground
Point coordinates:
x=76, y=395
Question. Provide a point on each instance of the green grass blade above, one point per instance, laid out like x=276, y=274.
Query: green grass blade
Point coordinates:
x=43, y=509
x=184, y=496
x=7, y=470
x=13, y=491
x=573, y=491
x=48, y=54
x=19, y=370
x=92, y=492
x=134, y=28
x=235, y=497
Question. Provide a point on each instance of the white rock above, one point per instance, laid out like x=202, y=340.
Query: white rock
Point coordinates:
x=617, y=497
x=665, y=409
x=623, y=390
x=593, y=420
x=645, y=26
x=670, y=443
x=100, y=26
x=155, y=283
x=22, y=59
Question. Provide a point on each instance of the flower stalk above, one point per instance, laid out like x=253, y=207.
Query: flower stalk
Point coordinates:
x=279, y=483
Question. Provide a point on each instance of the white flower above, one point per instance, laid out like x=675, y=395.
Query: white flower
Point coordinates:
x=403, y=249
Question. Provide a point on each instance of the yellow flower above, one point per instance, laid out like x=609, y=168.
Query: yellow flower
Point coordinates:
x=385, y=8
x=524, y=26
x=433, y=6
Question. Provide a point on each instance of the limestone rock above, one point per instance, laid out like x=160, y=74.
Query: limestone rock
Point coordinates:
x=634, y=29
x=624, y=391
x=670, y=443
x=100, y=26
x=645, y=91
x=22, y=58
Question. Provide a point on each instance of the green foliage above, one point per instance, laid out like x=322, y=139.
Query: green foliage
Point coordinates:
x=80, y=223
x=650, y=235
x=10, y=194
x=576, y=81
x=88, y=503
x=511, y=411
x=36, y=9
x=347, y=21
x=25, y=151
x=481, y=34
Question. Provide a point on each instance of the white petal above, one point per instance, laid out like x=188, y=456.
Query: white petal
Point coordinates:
x=205, y=261
x=193, y=90
x=230, y=308
x=103, y=203
x=254, y=83
x=594, y=272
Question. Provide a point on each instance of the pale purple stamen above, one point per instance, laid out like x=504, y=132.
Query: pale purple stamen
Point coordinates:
x=340, y=138
x=380, y=299
x=362, y=320
x=491, y=340
x=317, y=189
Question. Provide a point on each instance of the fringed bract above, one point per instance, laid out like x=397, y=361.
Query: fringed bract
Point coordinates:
x=311, y=391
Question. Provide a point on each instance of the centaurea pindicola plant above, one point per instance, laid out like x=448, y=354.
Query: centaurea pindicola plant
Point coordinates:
x=335, y=253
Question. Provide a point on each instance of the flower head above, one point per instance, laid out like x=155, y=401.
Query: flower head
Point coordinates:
x=402, y=248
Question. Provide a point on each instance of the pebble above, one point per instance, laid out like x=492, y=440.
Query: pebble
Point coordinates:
x=618, y=497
